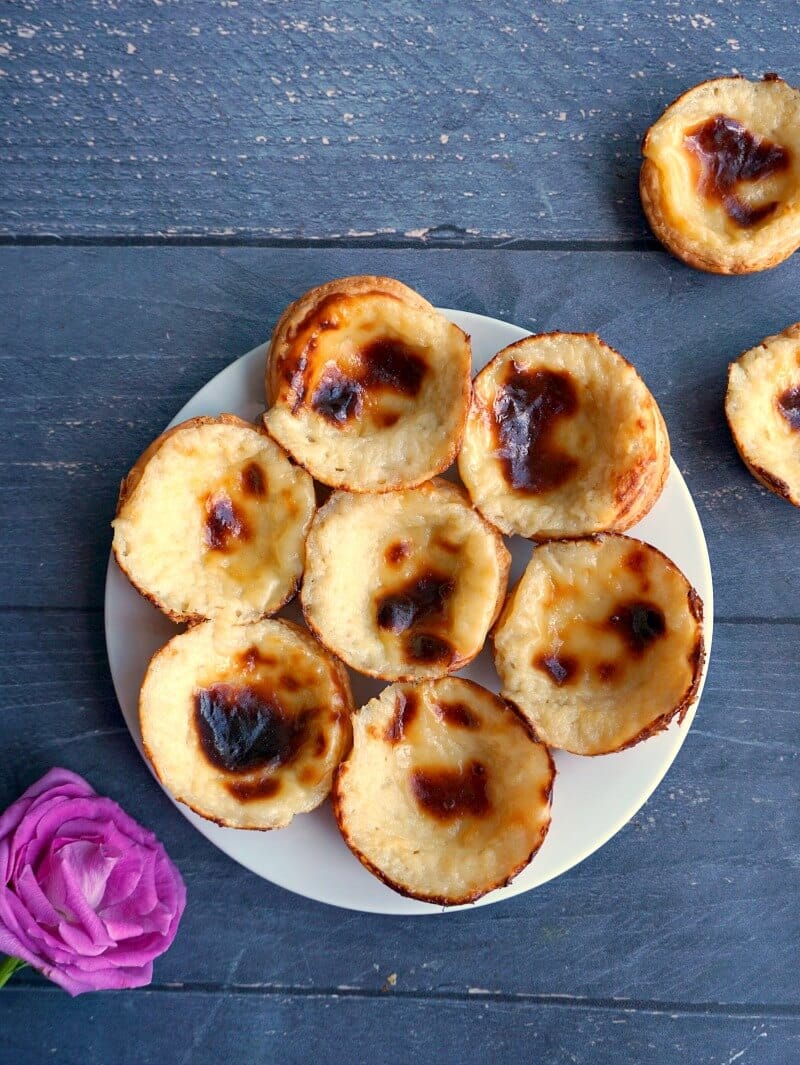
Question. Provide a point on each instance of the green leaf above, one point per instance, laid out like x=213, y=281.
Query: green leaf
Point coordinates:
x=8, y=966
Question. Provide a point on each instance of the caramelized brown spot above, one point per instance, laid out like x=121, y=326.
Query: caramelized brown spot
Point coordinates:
x=447, y=545
x=607, y=670
x=789, y=406
x=527, y=408
x=421, y=597
x=302, y=340
x=386, y=419
x=254, y=480
x=241, y=727
x=337, y=397
x=383, y=364
x=457, y=714
x=392, y=364
x=252, y=657
x=638, y=624
x=247, y=790
x=396, y=552
x=320, y=744
x=290, y=683
x=321, y=316
x=426, y=649
x=223, y=524
x=406, y=708
x=560, y=668
x=449, y=794
x=727, y=154
x=635, y=561
x=307, y=775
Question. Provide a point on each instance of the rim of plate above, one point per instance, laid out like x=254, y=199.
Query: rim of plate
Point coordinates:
x=395, y=904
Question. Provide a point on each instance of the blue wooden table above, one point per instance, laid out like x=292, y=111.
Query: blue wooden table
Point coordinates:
x=172, y=174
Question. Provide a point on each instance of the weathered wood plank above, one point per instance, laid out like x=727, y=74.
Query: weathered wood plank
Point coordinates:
x=149, y=1028
x=315, y=120
x=100, y=347
x=694, y=901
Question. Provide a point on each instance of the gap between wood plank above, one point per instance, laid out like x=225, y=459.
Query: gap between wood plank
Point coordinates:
x=567, y=1002
x=437, y=237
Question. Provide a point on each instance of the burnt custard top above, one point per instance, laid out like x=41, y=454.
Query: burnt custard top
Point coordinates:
x=406, y=584
x=212, y=521
x=527, y=408
x=600, y=644
x=563, y=439
x=368, y=384
x=728, y=155
x=463, y=787
x=721, y=175
x=262, y=714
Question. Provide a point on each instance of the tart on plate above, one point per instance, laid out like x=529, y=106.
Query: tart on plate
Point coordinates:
x=446, y=794
x=404, y=585
x=600, y=644
x=212, y=520
x=762, y=406
x=720, y=181
x=245, y=724
x=563, y=438
x=368, y=385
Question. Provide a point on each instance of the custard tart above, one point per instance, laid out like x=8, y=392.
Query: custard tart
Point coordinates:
x=245, y=724
x=368, y=385
x=404, y=585
x=446, y=793
x=600, y=644
x=763, y=410
x=563, y=438
x=212, y=520
x=720, y=181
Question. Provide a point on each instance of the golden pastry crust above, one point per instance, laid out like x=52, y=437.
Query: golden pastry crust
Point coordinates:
x=762, y=406
x=720, y=181
x=446, y=794
x=563, y=438
x=405, y=585
x=212, y=520
x=600, y=644
x=245, y=724
x=368, y=385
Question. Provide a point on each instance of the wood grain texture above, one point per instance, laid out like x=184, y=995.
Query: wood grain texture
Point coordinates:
x=396, y=120
x=100, y=347
x=150, y=1028
x=695, y=901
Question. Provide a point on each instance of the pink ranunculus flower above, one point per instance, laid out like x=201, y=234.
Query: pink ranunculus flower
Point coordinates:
x=87, y=896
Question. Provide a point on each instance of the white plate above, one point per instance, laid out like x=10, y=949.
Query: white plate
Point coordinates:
x=593, y=797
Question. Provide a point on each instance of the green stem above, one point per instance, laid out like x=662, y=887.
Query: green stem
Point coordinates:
x=8, y=966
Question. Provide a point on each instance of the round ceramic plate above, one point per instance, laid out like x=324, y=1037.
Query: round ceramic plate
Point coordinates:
x=593, y=797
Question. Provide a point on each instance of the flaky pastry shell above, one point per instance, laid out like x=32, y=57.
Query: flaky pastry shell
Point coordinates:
x=212, y=520
x=600, y=644
x=563, y=438
x=367, y=385
x=446, y=793
x=762, y=405
x=404, y=585
x=245, y=724
x=720, y=180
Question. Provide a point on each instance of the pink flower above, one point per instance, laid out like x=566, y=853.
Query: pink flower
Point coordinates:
x=87, y=895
